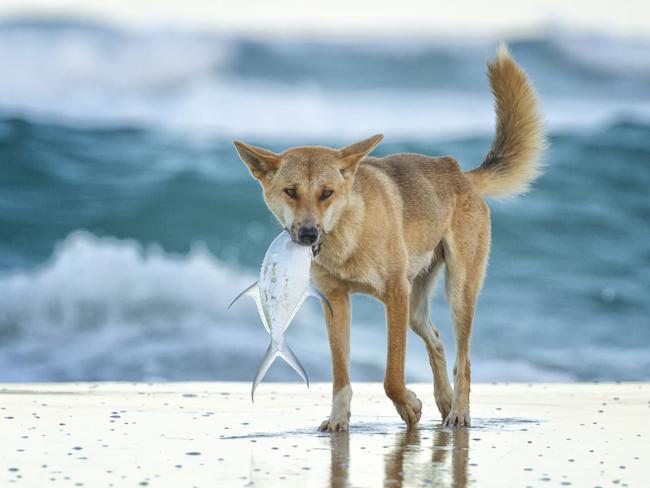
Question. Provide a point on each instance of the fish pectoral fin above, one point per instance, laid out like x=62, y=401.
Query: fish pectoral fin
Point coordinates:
x=290, y=358
x=315, y=292
x=252, y=291
x=266, y=363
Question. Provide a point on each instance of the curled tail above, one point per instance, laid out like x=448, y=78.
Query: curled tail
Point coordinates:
x=514, y=158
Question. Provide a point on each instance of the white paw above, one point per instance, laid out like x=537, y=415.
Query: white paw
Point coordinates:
x=458, y=417
x=334, y=425
x=339, y=420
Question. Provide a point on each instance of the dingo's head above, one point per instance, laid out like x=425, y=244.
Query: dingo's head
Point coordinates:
x=307, y=188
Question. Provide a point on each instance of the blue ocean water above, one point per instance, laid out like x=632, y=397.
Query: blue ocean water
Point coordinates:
x=127, y=222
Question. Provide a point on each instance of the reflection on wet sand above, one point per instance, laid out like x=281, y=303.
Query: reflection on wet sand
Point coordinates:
x=406, y=443
x=340, y=459
x=405, y=461
x=459, y=440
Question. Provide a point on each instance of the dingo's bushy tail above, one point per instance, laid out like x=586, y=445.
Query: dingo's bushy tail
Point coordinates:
x=514, y=158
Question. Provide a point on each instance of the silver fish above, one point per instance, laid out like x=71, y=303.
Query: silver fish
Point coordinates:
x=283, y=285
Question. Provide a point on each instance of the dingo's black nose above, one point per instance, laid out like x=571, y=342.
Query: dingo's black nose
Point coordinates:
x=307, y=235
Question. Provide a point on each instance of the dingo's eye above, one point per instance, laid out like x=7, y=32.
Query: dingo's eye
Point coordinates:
x=326, y=194
x=291, y=192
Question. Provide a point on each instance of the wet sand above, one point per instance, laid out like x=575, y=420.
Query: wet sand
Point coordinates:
x=209, y=434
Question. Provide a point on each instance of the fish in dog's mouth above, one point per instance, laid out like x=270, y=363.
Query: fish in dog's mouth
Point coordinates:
x=315, y=248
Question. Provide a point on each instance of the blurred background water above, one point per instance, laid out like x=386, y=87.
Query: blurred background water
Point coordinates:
x=127, y=222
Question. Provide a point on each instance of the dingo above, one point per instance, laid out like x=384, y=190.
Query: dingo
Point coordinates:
x=386, y=226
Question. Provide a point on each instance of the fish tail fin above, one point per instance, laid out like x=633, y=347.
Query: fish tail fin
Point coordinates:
x=270, y=356
x=290, y=358
x=266, y=363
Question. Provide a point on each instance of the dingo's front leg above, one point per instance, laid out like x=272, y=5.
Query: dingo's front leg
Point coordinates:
x=338, y=330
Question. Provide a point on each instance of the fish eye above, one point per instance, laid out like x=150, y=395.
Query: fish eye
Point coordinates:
x=291, y=193
x=326, y=194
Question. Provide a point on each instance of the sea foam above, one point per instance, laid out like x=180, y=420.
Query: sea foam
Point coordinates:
x=274, y=90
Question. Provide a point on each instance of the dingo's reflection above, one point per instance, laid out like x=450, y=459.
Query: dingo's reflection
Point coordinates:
x=340, y=459
x=405, y=461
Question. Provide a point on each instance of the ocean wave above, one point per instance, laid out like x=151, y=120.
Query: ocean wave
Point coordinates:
x=309, y=115
x=160, y=187
x=104, y=308
x=113, y=309
x=91, y=280
x=128, y=134
x=301, y=89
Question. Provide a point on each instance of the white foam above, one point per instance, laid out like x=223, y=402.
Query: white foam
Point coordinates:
x=109, y=308
x=113, y=279
x=112, y=309
x=612, y=55
x=98, y=77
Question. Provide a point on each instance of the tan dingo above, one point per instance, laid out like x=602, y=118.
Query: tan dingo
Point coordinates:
x=386, y=226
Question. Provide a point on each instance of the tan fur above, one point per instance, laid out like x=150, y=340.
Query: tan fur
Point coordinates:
x=513, y=161
x=391, y=224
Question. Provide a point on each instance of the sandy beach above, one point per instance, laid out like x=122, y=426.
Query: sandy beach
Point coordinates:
x=210, y=434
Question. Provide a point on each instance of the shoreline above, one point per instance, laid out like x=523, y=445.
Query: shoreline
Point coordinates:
x=199, y=434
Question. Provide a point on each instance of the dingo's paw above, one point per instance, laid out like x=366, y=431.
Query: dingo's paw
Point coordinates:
x=334, y=425
x=443, y=401
x=458, y=417
x=409, y=409
x=339, y=420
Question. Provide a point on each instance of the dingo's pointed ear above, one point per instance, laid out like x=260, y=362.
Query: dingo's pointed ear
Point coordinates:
x=259, y=161
x=351, y=156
